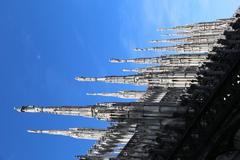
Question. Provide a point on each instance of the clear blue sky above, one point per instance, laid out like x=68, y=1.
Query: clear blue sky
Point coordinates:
x=44, y=44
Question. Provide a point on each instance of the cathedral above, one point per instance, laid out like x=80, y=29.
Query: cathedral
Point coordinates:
x=189, y=111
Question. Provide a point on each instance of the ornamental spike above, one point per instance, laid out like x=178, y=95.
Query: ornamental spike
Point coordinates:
x=121, y=94
x=183, y=48
x=129, y=79
x=79, y=133
x=192, y=39
x=64, y=110
x=170, y=60
x=195, y=33
x=199, y=26
x=156, y=49
x=176, y=34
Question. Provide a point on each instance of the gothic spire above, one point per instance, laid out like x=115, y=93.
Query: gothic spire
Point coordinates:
x=64, y=110
x=163, y=69
x=192, y=47
x=168, y=60
x=102, y=111
x=220, y=24
x=195, y=33
x=94, y=111
x=121, y=94
x=131, y=79
x=192, y=39
x=178, y=79
x=80, y=133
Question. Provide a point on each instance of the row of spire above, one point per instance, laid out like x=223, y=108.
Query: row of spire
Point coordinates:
x=135, y=125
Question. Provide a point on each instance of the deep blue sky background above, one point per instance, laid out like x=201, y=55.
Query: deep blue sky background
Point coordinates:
x=44, y=44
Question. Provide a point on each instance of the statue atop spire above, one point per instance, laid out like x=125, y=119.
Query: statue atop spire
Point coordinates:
x=79, y=133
